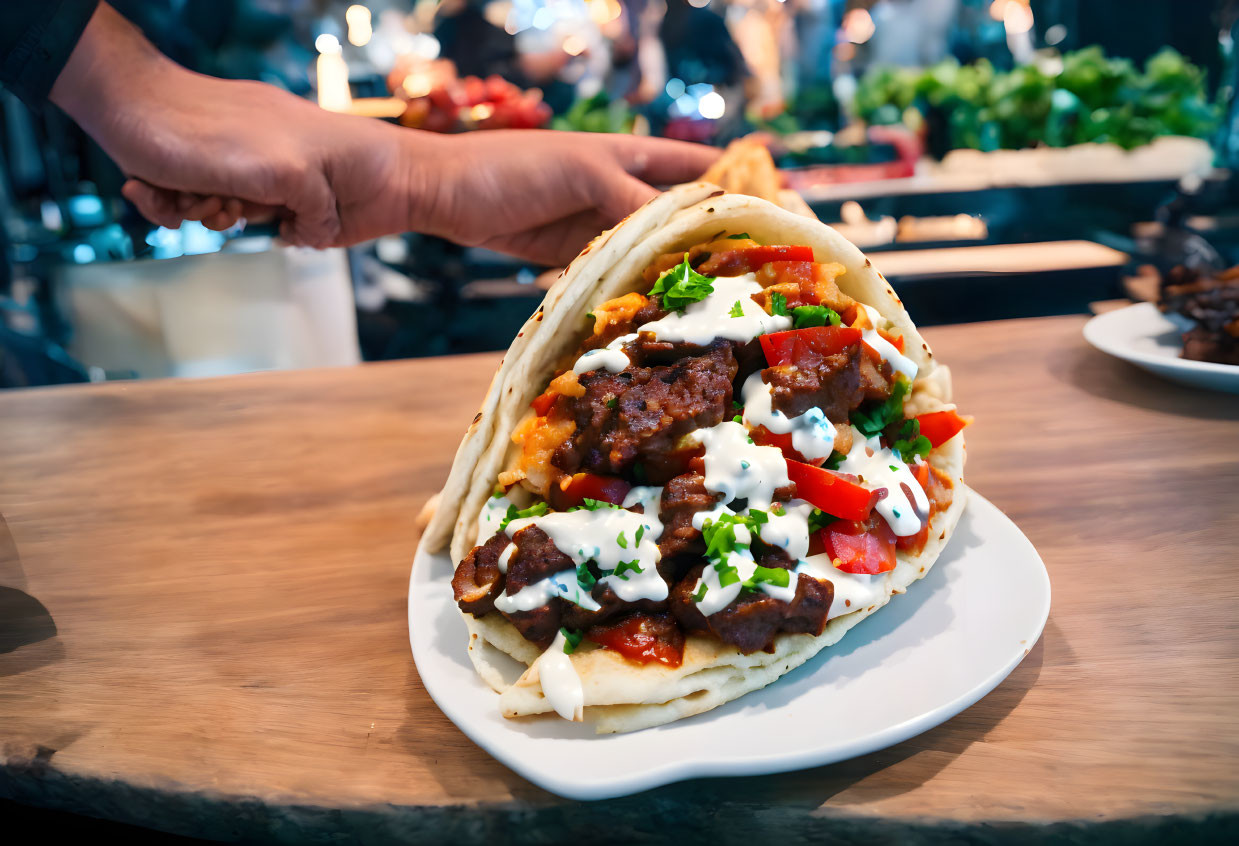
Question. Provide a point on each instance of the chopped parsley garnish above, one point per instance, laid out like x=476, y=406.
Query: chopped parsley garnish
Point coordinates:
x=584, y=577
x=720, y=533
x=736, y=311
x=514, y=513
x=622, y=541
x=767, y=575
x=727, y=574
x=640, y=534
x=594, y=504
x=778, y=304
x=836, y=459
x=777, y=508
x=743, y=236
x=911, y=442
x=737, y=405
x=700, y=594
x=815, y=315
x=628, y=566
x=681, y=286
x=571, y=640
x=612, y=402
x=819, y=520
x=739, y=418
x=499, y=492
x=590, y=315
x=878, y=417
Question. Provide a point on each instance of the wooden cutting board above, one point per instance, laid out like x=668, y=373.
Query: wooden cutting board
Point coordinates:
x=202, y=617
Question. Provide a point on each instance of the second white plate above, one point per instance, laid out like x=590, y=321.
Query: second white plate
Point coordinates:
x=1148, y=339
x=914, y=664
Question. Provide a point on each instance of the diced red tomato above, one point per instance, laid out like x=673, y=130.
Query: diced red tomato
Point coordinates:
x=941, y=426
x=783, y=347
x=832, y=492
x=543, y=402
x=860, y=548
x=764, y=437
x=584, y=486
x=750, y=259
x=643, y=638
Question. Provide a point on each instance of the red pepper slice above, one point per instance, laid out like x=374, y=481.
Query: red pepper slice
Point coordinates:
x=584, y=486
x=643, y=638
x=831, y=492
x=543, y=402
x=941, y=426
x=783, y=347
x=859, y=548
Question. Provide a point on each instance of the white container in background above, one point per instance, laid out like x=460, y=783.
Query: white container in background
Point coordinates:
x=212, y=314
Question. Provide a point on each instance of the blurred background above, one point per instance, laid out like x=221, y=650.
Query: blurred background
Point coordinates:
x=1001, y=158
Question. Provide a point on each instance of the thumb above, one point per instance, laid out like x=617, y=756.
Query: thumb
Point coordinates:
x=314, y=216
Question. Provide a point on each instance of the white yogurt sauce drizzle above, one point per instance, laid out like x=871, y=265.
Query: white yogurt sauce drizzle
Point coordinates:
x=852, y=591
x=606, y=536
x=813, y=436
x=880, y=468
x=737, y=468
x=704, y=321
x=611, y=357
x=899, y=362
x=493, y=511
x=560, y=683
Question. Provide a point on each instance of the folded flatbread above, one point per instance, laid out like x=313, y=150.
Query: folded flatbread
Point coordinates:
x=534, y=478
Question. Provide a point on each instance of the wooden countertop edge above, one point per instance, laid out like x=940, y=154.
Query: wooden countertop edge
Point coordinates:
x=32, y=780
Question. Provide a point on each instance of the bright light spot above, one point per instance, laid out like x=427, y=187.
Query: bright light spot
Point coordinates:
x=997, y=8
x=700, y=89
x=604, y=11
x=574, y=45
x=675, y=88
x=83, y=253
x=497, y=13
x=858, y=26
x=417, y=84
x=1055, y=34
x=845, y=51
x=358, y=19
x=712, y=106
x=699, y=4
x=482, y=111
x=424, y=46
x=543, y=19
x=327, y=43
x=1017, y=18
x=511, y=27
x=685, y=104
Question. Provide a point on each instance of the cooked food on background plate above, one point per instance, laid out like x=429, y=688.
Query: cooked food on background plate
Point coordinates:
x=1209, y=302
x=746, y=167
x=717, y=446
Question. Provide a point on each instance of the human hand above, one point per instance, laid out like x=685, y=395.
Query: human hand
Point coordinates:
x=206, y=149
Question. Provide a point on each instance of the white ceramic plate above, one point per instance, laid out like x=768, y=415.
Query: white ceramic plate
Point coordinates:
x=1147, y=338
x=916, y=663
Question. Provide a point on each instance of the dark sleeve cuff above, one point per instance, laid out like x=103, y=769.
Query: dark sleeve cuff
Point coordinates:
x=38, y=37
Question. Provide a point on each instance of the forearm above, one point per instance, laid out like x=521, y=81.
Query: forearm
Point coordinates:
x=110, y=65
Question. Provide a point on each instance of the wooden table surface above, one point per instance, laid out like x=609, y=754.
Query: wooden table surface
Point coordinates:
x=202, y=617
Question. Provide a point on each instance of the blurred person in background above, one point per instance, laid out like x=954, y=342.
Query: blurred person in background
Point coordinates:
x=199, y=148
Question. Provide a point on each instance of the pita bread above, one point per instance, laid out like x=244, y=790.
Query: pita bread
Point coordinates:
x=621, y=695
